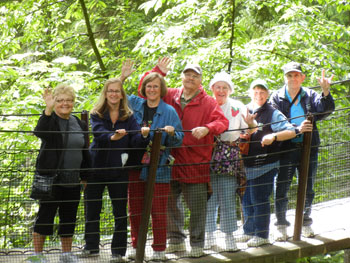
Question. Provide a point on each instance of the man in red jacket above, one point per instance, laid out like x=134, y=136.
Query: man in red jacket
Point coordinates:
x=201, y=115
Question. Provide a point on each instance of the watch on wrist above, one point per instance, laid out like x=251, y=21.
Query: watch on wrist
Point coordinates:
x=275, y=137
x=297, y=131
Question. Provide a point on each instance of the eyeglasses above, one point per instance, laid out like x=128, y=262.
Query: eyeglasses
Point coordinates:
x=114, y=91
x=188, y=75
x=69, y=101
x=152, y=87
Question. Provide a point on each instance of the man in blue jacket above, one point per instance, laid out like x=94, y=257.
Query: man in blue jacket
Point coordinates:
x=295, y=101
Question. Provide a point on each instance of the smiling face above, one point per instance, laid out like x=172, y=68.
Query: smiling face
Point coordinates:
x=64, y=105
x=153, y=90
x=293, y=80
x=191, y=80
x=114, y=94
x=221, y=91
x=259, y=95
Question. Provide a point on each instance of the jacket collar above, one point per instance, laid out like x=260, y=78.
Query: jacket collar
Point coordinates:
x=282, y=93
x=196, y=99
x=262, y=108
x=251, y=109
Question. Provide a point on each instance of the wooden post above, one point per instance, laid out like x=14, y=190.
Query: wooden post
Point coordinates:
x=346, y=255
x=142, y=235
x=84, y=116
x=302, y=183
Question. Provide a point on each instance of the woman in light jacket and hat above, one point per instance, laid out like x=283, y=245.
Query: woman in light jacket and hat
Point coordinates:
x=224, y=174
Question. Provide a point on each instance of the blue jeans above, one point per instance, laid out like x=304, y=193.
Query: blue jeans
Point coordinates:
x=93, y=197
x=224, y=196
x=256, y=205
x=289, y=162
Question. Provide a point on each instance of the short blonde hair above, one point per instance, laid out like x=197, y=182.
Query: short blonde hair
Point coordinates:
x=64, y=89
x=150, y=77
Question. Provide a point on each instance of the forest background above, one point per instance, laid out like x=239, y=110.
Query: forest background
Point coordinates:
x=84, y=42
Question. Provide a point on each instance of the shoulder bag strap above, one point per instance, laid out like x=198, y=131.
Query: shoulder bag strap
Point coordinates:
x=295, y=98
x=65, y=142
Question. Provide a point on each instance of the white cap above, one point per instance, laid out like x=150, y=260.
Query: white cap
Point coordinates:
x=195, y=67
x=222, y=76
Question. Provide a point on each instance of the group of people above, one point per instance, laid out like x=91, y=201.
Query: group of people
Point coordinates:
x=120, y=122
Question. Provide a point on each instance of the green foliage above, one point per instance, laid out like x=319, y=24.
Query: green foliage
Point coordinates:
x=46, y=42
x=337, y=257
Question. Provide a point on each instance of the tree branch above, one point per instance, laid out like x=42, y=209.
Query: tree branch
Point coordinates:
x=233, y=14
x=91, y=37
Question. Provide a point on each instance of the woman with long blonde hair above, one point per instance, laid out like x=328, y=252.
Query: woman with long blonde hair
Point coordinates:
x=115, y=129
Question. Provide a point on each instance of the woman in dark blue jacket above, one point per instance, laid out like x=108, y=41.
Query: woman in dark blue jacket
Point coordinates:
x=115, y=129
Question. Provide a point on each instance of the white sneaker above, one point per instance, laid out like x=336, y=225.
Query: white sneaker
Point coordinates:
x=159, y=256
x=68, y=257
x=132, y=253
x=196, y=252
x=176, y=247
x=210, y=240
x=244, y=238
x=281, y=234
x=116, y=258
x=257, y=241
x=307, y=231
x=230, y=243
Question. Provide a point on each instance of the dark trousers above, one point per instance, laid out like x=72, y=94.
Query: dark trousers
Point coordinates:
x=66, y=202
x=289, y=163
x=93, y=196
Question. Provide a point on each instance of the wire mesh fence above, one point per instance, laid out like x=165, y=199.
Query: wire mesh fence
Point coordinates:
x=18, y=211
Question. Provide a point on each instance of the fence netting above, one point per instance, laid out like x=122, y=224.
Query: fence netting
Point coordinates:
x=18, y=153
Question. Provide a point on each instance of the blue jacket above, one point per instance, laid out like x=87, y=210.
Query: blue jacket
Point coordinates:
x=106, y=153
x=311, y=102
x=165, y=115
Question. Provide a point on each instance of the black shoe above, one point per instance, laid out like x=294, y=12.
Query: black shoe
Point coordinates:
x=88, y=253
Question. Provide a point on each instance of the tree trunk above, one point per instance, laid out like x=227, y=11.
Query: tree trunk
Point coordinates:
x=91, y=37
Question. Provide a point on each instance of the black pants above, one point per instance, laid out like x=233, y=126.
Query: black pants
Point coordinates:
x=93, y=196
x=66, y=201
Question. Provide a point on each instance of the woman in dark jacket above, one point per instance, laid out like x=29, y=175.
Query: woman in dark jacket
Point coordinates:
x=115, y=129
x=57, y=117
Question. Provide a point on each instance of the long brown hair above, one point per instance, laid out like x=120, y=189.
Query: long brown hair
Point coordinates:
x=101, y=106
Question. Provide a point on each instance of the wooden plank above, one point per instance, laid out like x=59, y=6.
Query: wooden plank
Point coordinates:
x=331, y=226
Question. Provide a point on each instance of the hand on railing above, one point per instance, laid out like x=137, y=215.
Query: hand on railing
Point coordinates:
x=305, y=126
x=200, y=132
x=169, y=130
x=145, y=131
x=118, y=134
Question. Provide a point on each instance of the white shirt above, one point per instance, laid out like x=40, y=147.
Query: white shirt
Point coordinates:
x=233, y=111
